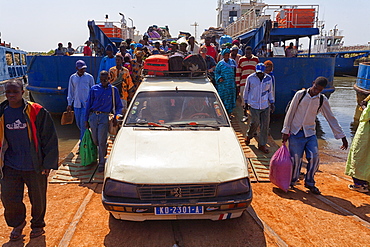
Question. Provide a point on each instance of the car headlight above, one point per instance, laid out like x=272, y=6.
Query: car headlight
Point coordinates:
x=240, y=186
x=120, y=189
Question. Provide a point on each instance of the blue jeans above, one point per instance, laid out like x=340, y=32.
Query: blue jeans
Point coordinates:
x=99, y=131
x=297, y=145
x=80, y=120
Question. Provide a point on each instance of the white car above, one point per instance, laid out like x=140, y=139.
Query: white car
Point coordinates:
x=176, y=156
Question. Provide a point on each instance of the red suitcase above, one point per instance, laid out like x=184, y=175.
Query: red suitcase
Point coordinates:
x=156, y=63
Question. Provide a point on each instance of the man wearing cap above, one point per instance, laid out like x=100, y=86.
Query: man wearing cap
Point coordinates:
x=246, y=66
x=108, y=61
x=259, y=98
x=173, y=48
x=237, y=43
x=60, y=51
x=78, y=91
x=234, y=53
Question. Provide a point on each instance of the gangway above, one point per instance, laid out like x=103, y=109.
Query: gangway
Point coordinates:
x=257, y=37
x=274, y=23
x=100, y=39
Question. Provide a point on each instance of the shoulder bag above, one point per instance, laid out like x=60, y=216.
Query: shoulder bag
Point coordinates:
x=113, y=130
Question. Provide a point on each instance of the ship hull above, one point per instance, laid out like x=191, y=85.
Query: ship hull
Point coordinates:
x=293, y=74
x=48, y=78
x=362, y=85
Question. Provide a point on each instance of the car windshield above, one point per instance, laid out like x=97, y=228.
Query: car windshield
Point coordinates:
x=176, y=108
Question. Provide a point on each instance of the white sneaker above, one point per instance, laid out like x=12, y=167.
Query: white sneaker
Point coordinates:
x=359, y=188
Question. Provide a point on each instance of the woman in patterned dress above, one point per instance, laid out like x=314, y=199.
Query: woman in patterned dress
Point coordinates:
x=225, y=80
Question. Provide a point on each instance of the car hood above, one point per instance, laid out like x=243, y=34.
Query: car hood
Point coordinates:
x=140, y=155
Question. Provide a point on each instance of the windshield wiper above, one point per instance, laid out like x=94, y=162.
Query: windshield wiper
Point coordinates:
x=195, y=124
x=150, y=124
x=160, y=125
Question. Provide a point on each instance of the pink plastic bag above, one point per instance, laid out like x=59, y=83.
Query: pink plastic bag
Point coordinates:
x=281, y=168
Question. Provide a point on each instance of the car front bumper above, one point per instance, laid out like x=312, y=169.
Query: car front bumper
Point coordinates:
x=220, y=208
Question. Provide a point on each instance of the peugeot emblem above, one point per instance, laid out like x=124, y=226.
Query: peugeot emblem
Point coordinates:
x=176, y=192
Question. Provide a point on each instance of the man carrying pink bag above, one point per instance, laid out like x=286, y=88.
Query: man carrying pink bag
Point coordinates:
x=300, y=129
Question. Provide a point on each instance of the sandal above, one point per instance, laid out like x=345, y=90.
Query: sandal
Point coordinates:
x=263, y=149
x=313, y=189
x=37, y=232
x=16, y=234
x=247, y=141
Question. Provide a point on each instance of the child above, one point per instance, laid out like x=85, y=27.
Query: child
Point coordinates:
x=127, y=64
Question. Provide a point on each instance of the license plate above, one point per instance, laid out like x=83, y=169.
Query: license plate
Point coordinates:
x=179, y=210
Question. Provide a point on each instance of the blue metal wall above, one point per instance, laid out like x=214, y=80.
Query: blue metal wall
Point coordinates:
x=47, y=73
x=292, y=74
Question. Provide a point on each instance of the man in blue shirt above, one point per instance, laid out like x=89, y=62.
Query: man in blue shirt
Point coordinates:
x=78, y=91
x=98, y=107
x=29, y=149
x=108, y=61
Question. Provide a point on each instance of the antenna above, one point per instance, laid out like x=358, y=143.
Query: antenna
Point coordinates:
x=195, y=27
x=219, y=4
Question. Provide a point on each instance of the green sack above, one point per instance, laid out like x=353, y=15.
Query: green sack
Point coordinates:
x=88, y=150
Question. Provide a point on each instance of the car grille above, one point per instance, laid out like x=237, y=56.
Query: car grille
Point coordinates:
x=160, y=192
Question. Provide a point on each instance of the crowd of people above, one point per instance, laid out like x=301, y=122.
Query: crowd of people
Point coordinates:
x=29, y=143
x=235, y=73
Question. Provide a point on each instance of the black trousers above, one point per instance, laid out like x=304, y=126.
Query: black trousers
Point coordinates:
x=12, y=191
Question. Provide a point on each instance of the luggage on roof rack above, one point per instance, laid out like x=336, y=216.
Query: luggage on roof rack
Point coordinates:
x=156, y=63
x=194, y=63
x=189, y=74
x=175, y=66
x=175, y=63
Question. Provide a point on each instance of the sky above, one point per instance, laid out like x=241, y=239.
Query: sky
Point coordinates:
x=39, y=25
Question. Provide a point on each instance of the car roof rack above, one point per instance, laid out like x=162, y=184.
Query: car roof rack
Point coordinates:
x=180, y=73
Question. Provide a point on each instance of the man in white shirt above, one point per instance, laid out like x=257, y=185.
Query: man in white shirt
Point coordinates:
x=300, y=129
x=259, y=98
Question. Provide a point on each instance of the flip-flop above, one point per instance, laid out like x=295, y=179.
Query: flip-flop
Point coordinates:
x=37, y=232
x=263, y=149
x=16, y=234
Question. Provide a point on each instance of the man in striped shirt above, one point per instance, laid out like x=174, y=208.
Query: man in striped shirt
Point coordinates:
x=246, y=66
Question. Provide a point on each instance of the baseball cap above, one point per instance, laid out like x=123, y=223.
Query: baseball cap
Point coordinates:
x=260, y=67
x=234, y=47
x=80, y=64
x=109, y=47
